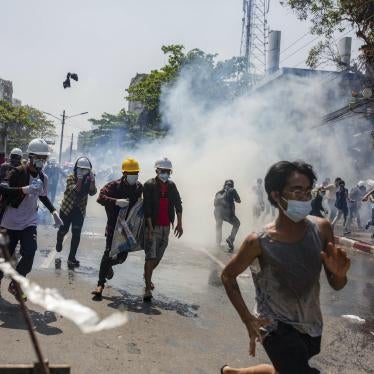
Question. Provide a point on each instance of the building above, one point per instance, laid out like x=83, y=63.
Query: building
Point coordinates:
x=6, y=90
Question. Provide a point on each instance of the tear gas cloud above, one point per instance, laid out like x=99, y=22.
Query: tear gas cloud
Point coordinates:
x=213, y=140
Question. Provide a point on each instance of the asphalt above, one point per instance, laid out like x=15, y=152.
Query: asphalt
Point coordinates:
x=189, y=328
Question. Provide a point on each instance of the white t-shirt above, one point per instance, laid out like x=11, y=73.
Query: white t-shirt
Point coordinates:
x=26, y=214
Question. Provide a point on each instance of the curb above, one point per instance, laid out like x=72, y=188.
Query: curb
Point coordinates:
x=354, y=244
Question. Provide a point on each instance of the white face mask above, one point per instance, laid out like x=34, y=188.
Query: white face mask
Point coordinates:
x=132, y=179
x=296, y=210
x=164, y=177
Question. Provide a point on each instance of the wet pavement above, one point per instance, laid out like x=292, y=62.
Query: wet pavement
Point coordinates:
x=190, y=327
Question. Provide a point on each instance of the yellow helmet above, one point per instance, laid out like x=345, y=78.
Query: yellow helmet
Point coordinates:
x=130, y=165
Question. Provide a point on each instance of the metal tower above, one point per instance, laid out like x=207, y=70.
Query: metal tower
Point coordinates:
x=254, y=37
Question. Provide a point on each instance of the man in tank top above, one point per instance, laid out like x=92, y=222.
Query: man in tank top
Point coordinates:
x=286, y=260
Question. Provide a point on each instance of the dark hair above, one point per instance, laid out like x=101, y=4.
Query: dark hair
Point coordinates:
x=278, y=174
x=338, y=179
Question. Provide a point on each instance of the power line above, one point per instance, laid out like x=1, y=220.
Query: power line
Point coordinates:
x=296, y=41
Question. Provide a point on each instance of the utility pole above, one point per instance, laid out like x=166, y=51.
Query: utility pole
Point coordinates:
x=71, y=146
x=62, y=136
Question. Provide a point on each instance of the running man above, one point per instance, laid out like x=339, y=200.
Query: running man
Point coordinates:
x=286, y=261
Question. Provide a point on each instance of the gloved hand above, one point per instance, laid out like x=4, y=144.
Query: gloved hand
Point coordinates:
x=122, y=203
x=35, y=188
x=57, y=219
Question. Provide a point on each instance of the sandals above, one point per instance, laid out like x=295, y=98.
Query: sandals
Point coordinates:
x=97, y=294
x=224, y=366
x=147, y=298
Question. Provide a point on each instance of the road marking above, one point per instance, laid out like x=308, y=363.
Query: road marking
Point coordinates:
x=51, y=256
x=219, y=262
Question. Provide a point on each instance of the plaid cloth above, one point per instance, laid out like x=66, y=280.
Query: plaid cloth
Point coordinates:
x=73, y=199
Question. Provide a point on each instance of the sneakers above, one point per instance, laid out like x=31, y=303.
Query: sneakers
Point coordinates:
x=12, y=289
x=74, y=263
x=230, y=244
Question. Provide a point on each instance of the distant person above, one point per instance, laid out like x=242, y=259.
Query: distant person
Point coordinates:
x=117, y=194
x=79, y=185
x=317, y=203
x=290, y=254
x=259, y=206
x=224, y=211
x=54, y=172
x=331, y=189
x=341, y=204
x=355, y=203
x=162, y=203
x=369, y=197
x=15, y=158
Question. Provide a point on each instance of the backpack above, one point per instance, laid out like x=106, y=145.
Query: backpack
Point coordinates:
x=221, y=199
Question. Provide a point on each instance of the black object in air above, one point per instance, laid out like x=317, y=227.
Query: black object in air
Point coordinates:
x=66, y=82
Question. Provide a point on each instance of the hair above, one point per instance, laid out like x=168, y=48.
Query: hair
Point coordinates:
x=279, y=173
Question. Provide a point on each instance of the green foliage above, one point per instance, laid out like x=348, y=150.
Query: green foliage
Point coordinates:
x=23, y=123
x=329, y=16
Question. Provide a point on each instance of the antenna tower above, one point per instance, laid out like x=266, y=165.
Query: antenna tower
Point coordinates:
x=254, y=38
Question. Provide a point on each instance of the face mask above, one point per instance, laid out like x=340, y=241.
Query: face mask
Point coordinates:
x=38, y=163
x=164, y=177
x=15, y=161
x=297, y=210
x=132, y=179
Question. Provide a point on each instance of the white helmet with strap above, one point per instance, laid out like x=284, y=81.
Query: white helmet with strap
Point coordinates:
x=38, y=147
x=16, y=152
x=163, y=163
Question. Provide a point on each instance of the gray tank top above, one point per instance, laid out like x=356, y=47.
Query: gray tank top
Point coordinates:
x=286, y=278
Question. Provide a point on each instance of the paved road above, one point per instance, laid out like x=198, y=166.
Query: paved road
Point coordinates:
x=189, y=328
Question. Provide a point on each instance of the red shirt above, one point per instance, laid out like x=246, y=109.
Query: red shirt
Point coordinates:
x=163, y=211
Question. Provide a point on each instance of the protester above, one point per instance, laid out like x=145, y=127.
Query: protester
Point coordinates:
x=15, y=158
x=161, y=202
x=369, y=196
x=224, y=210
x=53, y=171
x=331, y=196
x=113, y=196
x=290, y=252
x=259, y=206
x=317, y=203
x=341, y=204
x=79, y=185
x=20, y=215
x=355, y=198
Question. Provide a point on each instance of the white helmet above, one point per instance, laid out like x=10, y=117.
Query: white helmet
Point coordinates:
x=163, y=163
x=38, y=147
x=17, y=152
x=361, y=184
x=83, y=163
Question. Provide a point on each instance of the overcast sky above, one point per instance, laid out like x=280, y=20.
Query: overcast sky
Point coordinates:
x=108, y=42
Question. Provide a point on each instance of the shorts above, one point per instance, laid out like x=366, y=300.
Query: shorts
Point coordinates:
x=290, y=351
x=155, y=248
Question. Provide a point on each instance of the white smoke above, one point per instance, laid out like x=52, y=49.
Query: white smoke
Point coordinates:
x=211, y=141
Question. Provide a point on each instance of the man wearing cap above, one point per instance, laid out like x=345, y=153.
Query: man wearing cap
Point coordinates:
x=161, y=202
x=115, y=195
x=79, y=185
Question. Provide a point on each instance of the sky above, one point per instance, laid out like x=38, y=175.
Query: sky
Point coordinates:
x=107, y=42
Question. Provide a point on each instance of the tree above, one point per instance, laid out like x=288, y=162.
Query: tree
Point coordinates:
x=218, y=80
x=20, y=124
x=329, y=16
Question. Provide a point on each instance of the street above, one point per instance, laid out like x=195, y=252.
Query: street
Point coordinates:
x=190, y=327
